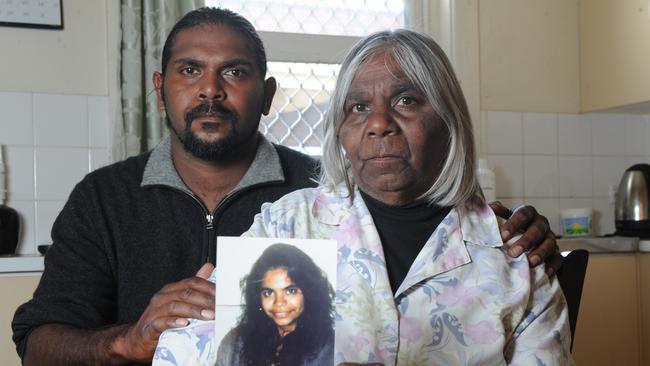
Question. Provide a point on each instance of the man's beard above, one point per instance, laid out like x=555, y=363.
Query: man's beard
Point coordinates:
x=221, y=150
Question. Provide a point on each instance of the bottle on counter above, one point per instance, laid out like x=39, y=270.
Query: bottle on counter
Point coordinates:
x=487, y=180
x=9, y=221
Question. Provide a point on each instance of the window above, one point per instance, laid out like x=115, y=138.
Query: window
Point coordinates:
x=305, y=41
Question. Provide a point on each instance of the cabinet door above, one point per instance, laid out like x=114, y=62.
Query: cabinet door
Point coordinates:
x=15, y=290
x=644, y=279
x=607, y=332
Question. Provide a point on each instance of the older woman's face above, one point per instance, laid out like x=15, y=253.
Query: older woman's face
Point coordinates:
x=391, y=134
x=281, y=299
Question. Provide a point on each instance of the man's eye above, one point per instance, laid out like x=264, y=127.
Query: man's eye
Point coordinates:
x=235, y=72
x=189, y=70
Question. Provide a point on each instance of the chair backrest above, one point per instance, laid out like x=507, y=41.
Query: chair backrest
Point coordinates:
x=571, y=276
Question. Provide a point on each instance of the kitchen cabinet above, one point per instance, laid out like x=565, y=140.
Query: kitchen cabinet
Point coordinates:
x=614, y=54
x=529, y=55
x=15, y=290
x=608, y=331
x=644, y=279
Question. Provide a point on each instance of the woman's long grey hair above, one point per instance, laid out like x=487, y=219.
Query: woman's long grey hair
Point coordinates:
x=426, y=66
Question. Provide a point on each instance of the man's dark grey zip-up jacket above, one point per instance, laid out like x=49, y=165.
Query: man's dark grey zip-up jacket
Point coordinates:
x=132, y=227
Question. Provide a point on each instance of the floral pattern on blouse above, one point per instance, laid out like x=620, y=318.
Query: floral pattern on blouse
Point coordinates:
x=464, y=301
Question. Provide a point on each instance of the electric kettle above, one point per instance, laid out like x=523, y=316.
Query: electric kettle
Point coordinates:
x=632, y=210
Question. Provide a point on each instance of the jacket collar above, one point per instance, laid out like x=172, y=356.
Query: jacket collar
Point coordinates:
x=445, y=250
x=160, y=170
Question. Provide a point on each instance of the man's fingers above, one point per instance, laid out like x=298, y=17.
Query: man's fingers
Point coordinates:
x=520, y=221
x=193, y=284
x=553, y=263
x=205, y=271
x=500, y=210
x=543, y=251
x=535, y=233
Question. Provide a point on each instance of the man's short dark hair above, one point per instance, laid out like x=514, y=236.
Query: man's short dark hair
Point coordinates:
x=217, y=16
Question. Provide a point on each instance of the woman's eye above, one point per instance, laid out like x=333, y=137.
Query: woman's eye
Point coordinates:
x=358, y=107
x=293, y=290
x=267, y=293
x=405, y=101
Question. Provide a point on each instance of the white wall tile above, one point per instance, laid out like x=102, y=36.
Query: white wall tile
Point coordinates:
x=549, y=207
x=483, y=137
x=16, y=127
x=98, y=121
x=576, y=174
x=512, y=202
x=58, y=170
x=46, y=213
x=608, y=134
x=540, y=176
x=504, y=132
x=19, y=168
x=540, y=133
x=26, y=239
x=509, y=173
x=608, y=171
x=98, y=158
x=60, y=120
x=632, y=160
x=568, y=203
x=637, y=135
x=574, y=134
x=603, y=216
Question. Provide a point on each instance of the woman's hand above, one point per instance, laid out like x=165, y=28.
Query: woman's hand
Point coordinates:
x=537, y=236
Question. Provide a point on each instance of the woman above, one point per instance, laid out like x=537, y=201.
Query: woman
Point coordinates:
x=287, y=316
x=423, y=276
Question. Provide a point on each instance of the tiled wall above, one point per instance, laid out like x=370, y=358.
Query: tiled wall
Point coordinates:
x=50, y=142
x=558, y=161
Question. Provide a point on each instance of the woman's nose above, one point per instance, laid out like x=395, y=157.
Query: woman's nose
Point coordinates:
x=280, y=299
x=381, y=124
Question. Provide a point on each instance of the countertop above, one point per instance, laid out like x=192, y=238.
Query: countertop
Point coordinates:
x=608, y=244
x=21, y=264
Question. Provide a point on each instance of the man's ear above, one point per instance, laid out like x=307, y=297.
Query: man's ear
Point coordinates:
x=270, y=86
x=158, y=85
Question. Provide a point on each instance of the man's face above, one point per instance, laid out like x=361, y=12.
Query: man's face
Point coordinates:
x=391, y=134
x=213, y=92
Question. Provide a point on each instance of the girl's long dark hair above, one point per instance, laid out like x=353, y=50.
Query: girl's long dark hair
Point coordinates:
x=314, y=328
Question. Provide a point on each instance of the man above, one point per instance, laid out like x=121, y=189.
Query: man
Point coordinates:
x=131, y=236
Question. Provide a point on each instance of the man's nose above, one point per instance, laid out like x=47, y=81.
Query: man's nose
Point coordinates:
x=211, y=88
x=381, y=123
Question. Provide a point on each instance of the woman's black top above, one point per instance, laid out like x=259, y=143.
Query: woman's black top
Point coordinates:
x=403, y=231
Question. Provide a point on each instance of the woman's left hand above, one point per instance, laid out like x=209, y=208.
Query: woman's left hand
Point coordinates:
x=537, y=236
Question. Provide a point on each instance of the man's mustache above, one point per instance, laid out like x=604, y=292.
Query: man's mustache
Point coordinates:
x=210, y=108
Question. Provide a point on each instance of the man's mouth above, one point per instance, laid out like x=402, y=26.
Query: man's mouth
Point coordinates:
x=210, y=113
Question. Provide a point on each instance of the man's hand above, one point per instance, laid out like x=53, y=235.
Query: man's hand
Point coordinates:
x=537, y=236
x=171, y=307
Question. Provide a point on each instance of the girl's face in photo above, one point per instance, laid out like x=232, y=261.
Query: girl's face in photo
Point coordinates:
x=281, y=299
